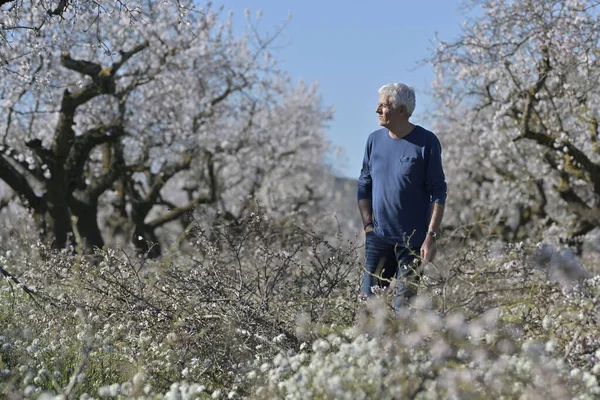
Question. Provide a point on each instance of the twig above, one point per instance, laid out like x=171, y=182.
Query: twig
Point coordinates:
x=578, y=333
x=572, y=344
x=27, y=290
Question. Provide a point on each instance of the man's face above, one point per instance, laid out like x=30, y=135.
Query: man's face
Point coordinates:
x=388, y=115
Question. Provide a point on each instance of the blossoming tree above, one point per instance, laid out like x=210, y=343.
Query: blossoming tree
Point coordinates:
x=518, y=101
x=132, y=125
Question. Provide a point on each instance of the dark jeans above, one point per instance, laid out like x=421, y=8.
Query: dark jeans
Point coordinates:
x=385, y=261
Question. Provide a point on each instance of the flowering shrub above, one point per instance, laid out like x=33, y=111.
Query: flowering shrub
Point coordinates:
x=435, y=358
x=508, y=329
x=114, y=324
x=267, y=310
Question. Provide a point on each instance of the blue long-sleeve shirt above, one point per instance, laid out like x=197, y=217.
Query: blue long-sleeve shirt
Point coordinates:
x=402, y=177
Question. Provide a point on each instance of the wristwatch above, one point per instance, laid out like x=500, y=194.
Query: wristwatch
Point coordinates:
x=433, y=234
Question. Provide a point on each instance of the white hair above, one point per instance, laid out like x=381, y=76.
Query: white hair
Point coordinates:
x=400, y=95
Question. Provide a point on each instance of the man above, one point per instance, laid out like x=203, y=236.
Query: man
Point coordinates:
x=401, y=194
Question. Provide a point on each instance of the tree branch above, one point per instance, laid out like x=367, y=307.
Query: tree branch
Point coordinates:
x=83, y=67
x=126, y=55
x=84, y=144
x=548, y=141
x=60, y=8
x=575, y=204
x=179, y=211
x=64, y=134
x=103, y=183
x=103, y=82
x=578, y=156
x=27, y=290
x=18, y=159
x=160, y=179
x=20, y=185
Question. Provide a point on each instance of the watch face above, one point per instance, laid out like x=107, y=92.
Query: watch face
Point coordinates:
x=433, y=234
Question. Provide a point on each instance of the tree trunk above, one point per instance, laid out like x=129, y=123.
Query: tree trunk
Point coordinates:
x=58, y=209
x=87, y=224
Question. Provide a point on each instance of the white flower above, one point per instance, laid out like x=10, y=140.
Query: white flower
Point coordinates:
x=547, y=322
x=126, y=388
x=138, y=379
x=103, y=391
x=589, y=380
x=280, y=360
x=113, y=389
x=320, y=345
x=550, y=346
x=264, y=367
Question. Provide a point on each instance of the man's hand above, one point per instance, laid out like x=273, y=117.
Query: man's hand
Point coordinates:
x=369, y=227
x=428, y=249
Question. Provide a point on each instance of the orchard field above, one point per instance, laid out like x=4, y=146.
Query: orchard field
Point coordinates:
x=170, y=228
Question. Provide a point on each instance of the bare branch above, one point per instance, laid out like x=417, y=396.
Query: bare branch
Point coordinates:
x=177, y=212
x=126, y=55
x=27, y=290
x=18, y=183
x=102, y=83
x=60, y=8
x=166, y=173
x=578, y=156
x=83, y=67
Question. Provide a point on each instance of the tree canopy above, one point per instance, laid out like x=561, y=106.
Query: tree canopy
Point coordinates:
x=132, y=124
x=518, y=103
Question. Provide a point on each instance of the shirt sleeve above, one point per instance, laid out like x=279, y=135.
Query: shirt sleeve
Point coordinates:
x=365, y=183
x=435, y=180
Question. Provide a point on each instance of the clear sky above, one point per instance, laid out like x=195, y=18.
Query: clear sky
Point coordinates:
x=351, y=48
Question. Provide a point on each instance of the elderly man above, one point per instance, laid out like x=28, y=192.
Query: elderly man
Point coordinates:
x=401, y=195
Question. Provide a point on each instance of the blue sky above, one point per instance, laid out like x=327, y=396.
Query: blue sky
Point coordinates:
x=353, y=48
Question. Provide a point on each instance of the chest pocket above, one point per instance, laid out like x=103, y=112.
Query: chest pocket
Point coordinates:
x=406, y=165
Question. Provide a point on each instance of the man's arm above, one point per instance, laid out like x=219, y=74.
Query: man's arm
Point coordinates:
x=365, y=207
x=428, y=249
x=435, y=179
x=435, y=183
x=365, y=191
x=437, y=213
